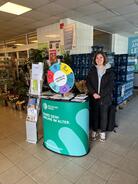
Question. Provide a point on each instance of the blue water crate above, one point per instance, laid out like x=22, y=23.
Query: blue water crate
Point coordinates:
x=128, y=94
x=129, y=85
x=81, y=65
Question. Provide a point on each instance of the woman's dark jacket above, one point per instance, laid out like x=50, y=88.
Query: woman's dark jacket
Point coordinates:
x=106, y=87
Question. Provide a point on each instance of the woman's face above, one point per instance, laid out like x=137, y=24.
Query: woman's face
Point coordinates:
x=99, y=59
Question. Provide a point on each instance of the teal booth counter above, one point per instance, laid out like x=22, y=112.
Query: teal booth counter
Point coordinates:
x=66, y=126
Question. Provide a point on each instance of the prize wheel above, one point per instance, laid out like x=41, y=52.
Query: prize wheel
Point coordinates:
x=60, y=78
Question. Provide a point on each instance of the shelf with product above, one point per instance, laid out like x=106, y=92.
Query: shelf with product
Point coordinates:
x=5, y=73
x=6, y=78
x=136, y=74
x=124, y=73
x=14, y=81
x=81, y=63
x=34, y=101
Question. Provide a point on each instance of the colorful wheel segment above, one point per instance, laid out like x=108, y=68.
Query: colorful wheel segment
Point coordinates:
x=60, y=78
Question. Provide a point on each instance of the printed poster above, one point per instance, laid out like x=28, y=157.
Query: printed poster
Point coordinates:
x=37, y=71
x=133, y=45
x=69, y=36
x=52, y=55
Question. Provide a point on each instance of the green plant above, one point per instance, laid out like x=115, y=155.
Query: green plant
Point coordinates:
x=13, y=99
x=9, y=85
x=67, y=58
x=20, y=88
x=36, y=55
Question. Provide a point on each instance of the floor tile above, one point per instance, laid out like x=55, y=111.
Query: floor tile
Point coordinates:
x=26, y=180
x=11, y=176
x=13, y=152
x=5, y=164
x=18, y=137
x=43, y=154
x=28, y=164
x=129, y=166
x=47, y=170
x=97, y=151
x=132, y=155
x=86, y=161
x=90, y=178
x=2, y=156
x=123, y=140
x=4, y=142
x=11, y=148
x=111, y=158
x=72, y=172
x=102, y=169
x=120, y=177
x=59, y=179
x=119, y=149
x=135, y=145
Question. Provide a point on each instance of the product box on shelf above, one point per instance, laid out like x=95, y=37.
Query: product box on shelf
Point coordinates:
x=81, y=64
x=127, y=94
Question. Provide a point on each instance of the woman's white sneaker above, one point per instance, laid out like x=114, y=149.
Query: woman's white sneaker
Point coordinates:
x=102, y=136
x=94, y=135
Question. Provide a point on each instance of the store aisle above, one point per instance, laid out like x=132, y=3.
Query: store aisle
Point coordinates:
x=112, y=162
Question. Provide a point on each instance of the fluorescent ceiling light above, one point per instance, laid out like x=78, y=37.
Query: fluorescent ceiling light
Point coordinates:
x=52, y=35
x=19, y=44
x=14, y=8
x=35, y=41
x=9, y=42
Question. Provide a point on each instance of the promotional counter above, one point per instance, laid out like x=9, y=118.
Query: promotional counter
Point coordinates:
x=66, y=126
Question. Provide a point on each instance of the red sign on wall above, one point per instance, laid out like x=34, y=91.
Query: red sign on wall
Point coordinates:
x=52, y=55
x=61, y=25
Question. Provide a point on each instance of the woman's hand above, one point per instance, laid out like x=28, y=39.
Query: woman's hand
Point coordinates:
x=96, y=96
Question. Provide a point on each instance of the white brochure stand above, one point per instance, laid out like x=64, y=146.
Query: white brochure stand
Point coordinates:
x=33, y=108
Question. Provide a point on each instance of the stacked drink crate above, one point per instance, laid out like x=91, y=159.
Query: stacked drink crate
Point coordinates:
x=81, y=63
x=110, y=58
x=124, y=77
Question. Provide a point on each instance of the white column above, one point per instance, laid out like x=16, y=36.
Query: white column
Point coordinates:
x=119, y=44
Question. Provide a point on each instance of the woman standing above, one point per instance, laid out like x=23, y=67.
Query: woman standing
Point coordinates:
x=100, y=83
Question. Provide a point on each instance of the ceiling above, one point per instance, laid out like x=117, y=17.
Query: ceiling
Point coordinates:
x=115, y=16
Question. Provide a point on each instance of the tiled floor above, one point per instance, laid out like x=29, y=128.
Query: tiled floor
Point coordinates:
x=112, y=162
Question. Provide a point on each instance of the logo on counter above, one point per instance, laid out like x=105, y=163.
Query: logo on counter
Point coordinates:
x=45, y=106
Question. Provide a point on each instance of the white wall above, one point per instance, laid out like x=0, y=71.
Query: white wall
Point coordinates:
x=84, y=35
x=84, y=38
x=119, y=44
x=48, y=30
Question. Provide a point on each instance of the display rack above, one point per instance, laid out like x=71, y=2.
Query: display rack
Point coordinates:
x=33, y=107
x=33, y=111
